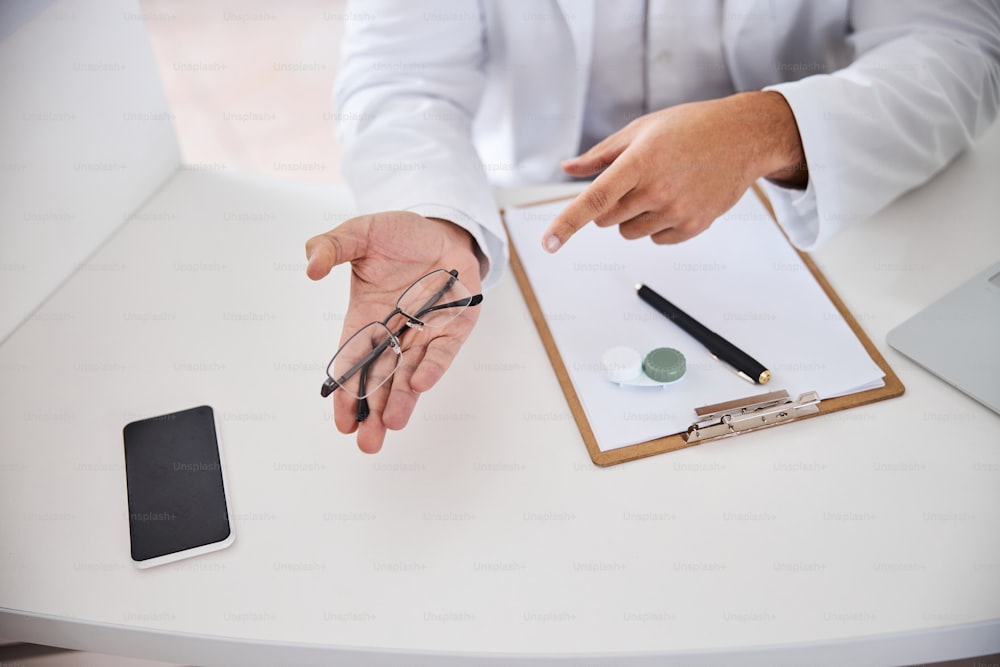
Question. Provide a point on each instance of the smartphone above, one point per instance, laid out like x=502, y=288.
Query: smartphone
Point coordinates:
x=178, y=504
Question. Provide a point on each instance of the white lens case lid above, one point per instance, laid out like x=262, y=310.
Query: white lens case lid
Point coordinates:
x=621, y=364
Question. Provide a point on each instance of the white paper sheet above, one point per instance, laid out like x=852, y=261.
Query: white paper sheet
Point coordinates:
x=741, y=278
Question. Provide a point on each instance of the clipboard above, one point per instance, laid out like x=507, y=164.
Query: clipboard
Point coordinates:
x=733, y=416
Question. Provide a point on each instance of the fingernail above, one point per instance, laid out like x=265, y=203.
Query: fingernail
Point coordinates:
x=552, y=244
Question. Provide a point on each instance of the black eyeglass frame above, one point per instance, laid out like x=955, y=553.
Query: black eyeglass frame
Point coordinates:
x=413, y=321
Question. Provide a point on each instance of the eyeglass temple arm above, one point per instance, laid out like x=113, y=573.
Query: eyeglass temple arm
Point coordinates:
x=362, y=412
x=469, y=301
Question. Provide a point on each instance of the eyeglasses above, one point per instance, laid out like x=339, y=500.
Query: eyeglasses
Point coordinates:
x=369, y=358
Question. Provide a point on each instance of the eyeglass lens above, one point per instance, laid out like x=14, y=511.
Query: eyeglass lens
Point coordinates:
x=434, y=300
x=357, y=370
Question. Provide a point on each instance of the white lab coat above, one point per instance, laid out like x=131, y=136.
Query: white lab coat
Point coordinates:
x=437, y=99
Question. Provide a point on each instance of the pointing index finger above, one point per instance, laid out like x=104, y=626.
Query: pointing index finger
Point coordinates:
x=599, y=197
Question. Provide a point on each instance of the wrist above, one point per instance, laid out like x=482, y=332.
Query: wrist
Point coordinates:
x=455, y=233
x=458, y=236
x=782, y=158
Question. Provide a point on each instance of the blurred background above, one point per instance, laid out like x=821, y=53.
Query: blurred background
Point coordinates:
x=250, y=82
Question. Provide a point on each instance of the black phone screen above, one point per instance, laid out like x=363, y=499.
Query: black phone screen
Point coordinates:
x=176, y=493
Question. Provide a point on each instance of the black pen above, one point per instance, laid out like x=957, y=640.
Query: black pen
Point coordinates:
x=745, y=366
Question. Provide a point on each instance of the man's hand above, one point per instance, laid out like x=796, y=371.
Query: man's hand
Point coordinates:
x=387, y=252
x=669, y=174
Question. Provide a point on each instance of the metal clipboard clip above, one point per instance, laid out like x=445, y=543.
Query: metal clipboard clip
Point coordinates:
x=747, y=414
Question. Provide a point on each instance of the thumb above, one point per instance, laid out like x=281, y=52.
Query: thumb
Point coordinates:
x=345, y=243
x=598, y=158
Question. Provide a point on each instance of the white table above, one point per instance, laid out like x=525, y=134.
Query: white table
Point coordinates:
x=482, y=533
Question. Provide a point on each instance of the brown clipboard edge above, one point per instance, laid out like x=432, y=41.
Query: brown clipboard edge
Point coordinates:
x=892, y=388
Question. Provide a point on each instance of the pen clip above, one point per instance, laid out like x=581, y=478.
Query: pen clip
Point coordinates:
x=748, y=414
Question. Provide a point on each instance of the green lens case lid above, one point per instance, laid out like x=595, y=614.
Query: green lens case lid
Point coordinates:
x=664, y=364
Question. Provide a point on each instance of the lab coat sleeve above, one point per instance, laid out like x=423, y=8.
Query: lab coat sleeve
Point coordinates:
x=925, y=81
x=410, y=81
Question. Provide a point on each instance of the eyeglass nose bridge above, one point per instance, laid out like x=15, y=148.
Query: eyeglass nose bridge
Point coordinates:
x=411, y=321
x=414, y=323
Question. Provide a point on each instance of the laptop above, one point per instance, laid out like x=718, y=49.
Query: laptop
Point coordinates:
x=957, y=338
